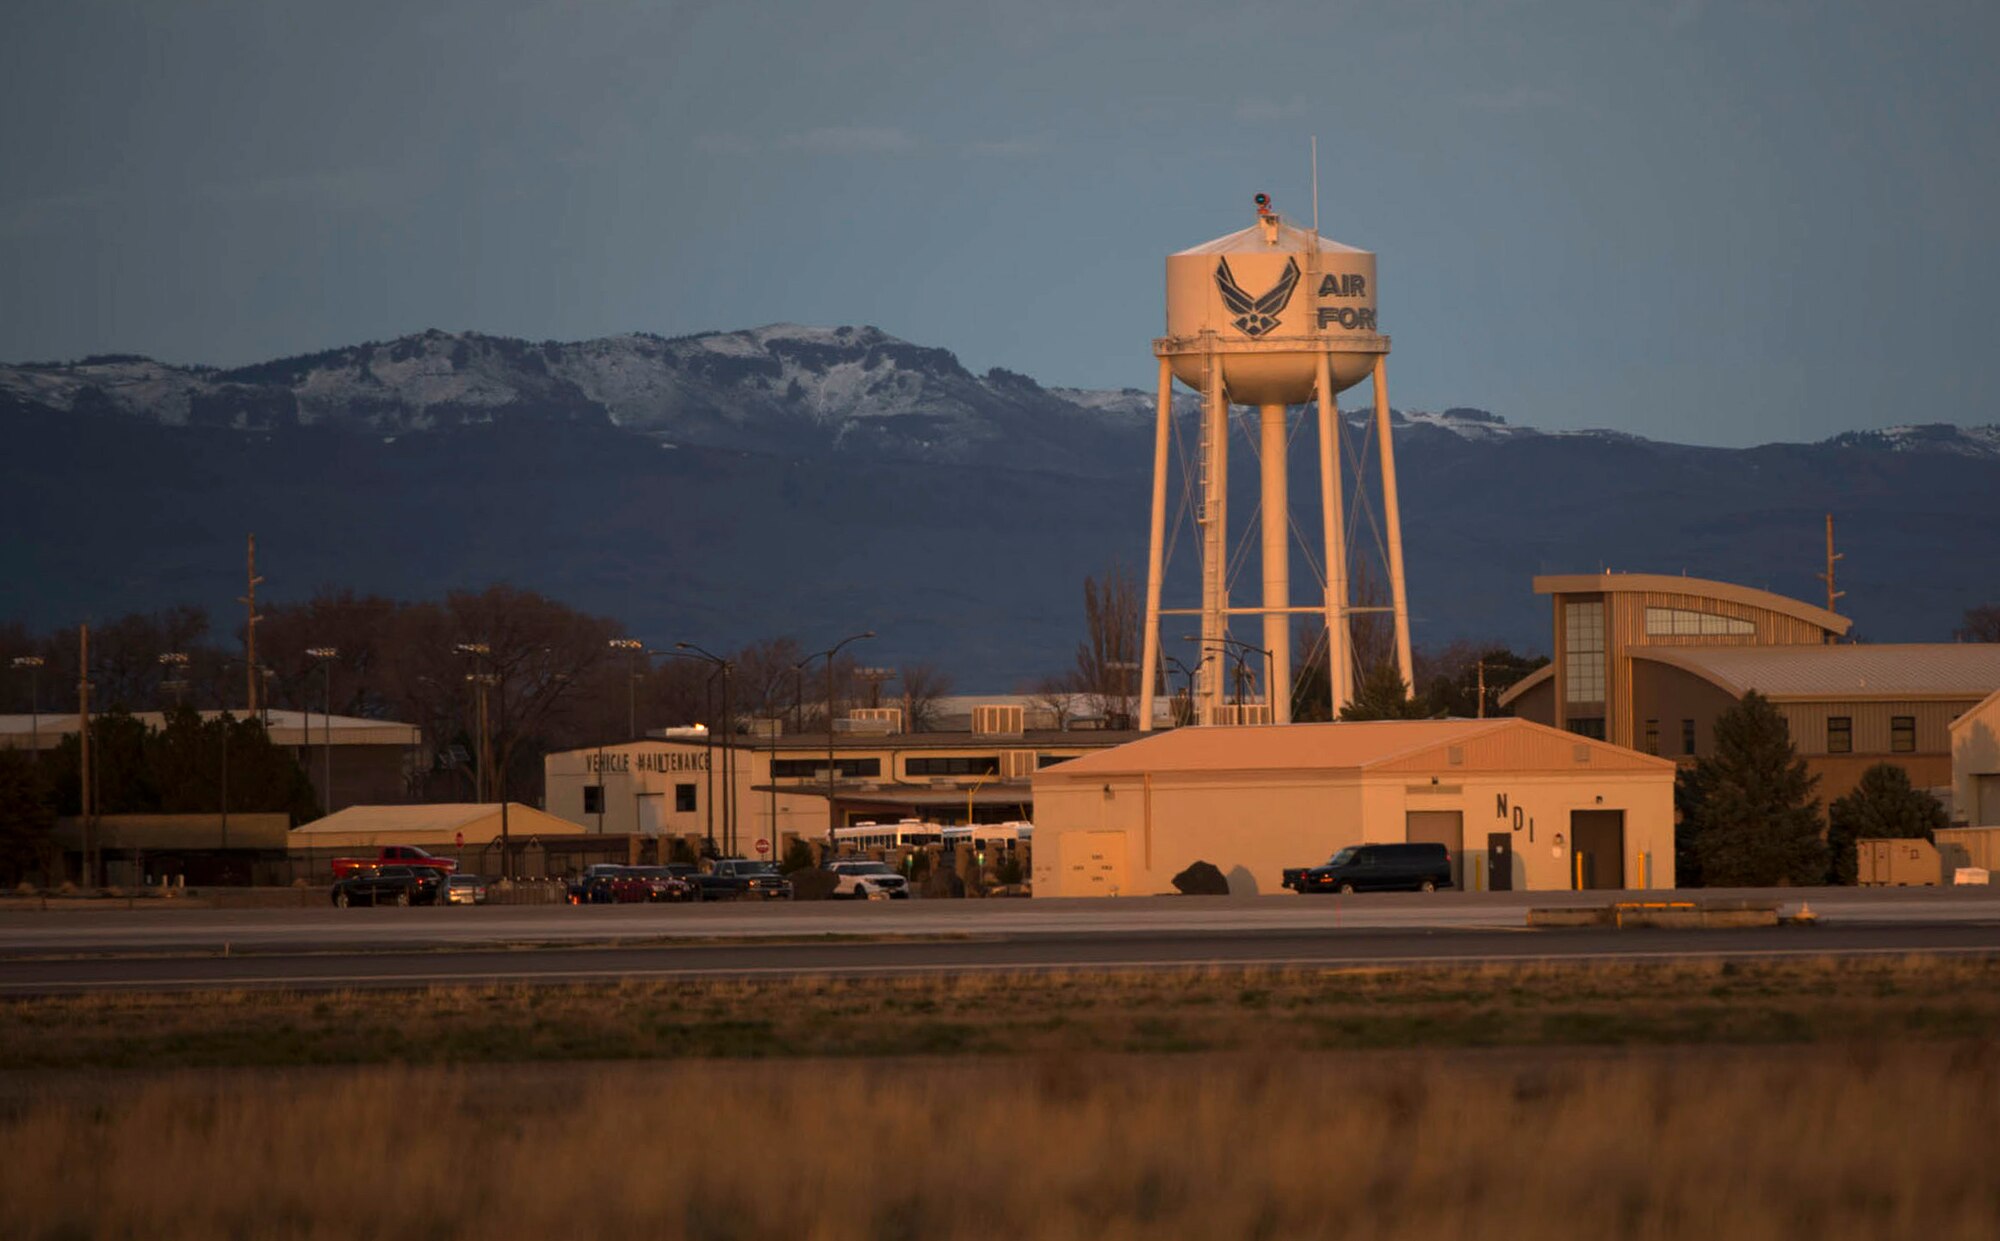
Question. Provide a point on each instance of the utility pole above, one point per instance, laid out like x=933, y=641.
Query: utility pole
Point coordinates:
x=1831, y=556
x=324, y=656
x=1482, y=690
x=249, y=602
x=83, y=733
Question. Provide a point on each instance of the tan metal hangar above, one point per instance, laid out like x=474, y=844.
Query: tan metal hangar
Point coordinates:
x=1518, y=805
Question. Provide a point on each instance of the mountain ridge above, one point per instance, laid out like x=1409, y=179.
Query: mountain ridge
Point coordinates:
x=793, y=480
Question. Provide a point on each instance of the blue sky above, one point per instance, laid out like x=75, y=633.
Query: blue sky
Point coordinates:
x=1720, y=223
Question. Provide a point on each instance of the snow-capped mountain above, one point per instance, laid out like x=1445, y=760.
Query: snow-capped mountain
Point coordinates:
x=782, y=388
x=828, y=477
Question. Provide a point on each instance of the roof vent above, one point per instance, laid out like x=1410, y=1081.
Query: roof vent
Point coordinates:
x=998, y=720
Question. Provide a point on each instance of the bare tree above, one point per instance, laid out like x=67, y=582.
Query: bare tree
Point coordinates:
x=1055, y=695
x=1107, y=660
x=923, y=684
x=1982, y=624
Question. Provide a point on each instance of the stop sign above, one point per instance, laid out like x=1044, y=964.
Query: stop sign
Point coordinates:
x=763, y=845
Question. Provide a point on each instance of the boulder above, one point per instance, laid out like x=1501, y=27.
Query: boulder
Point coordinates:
x=1201, y=879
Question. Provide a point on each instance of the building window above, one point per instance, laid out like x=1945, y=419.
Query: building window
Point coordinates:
x=1652, y=736
x=1686, y=623
x=1902, y=734
x=1840, y=734
x=1050, y=760
x=973, y=765
x=1687, y=736
x=1583, y=652
x=815, y=768
x=684, y=798
x=1587, y=726
x=593, y=799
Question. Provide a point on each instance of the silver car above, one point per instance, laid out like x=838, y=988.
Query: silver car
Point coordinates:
x=465, y=890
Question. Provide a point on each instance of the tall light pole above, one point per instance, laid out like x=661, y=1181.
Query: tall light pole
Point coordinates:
x=479, y=652
x=324, y=656
x=1124, y=695
x=1184, y=713
x=723, y=668
x=33, y=664
x=83, y=738
x=1241, y=649
x=832, y=811
x=637, y=650
x=174, y=664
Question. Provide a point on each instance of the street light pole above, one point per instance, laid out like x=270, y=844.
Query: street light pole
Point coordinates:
x=832, y=809
x=637, y=650
x=33, y=663
x=723, y=668
x=325, y=655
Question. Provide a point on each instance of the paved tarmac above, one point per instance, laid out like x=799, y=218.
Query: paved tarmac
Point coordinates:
x=92, y=948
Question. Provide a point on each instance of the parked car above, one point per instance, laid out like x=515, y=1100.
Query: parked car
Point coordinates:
x=593, y=886
x=394, y=855
x=864, y=880
x=742, y=879
x=1376, y=868
x=465, y=890
x=390, y=885
x=661, y=883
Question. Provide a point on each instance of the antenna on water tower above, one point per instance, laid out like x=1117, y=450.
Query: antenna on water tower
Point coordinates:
x=1315, y=176
x=1241, y=331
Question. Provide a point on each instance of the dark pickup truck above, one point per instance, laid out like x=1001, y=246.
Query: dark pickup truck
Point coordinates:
x=735, y=879
x=391, y=885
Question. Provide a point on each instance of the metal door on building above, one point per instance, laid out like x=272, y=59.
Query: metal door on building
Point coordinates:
x=1597, y=844
x=1439, y=827
x=1499, y=861
x=1986, y=792
x=1099, y=868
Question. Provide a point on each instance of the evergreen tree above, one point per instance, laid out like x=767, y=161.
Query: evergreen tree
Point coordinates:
x=27, y=817
x=1758, y=823
x=1884, y=805
x=1383, y=695
x=1690, y=804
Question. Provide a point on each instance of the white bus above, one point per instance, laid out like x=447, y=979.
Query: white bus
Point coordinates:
x=910, y=833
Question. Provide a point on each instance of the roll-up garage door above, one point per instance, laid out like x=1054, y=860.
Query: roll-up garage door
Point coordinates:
x=1440, y=827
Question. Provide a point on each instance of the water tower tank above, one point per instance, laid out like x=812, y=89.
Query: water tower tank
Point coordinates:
x=1275, y=298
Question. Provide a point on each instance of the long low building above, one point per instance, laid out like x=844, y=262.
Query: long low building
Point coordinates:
x=778, y=786
x=1517, y=805
x=368, y=760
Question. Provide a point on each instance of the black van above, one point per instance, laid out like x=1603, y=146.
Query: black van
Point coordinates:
x=1377, y=868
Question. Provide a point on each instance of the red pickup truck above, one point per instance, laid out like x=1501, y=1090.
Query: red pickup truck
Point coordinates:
x=393, y=855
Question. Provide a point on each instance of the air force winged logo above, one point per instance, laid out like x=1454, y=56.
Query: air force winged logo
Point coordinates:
x=1256, y=315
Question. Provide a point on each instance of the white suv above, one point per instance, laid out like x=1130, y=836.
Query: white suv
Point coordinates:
x=871, y=881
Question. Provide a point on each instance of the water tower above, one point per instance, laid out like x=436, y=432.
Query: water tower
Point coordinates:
x=1272, y=316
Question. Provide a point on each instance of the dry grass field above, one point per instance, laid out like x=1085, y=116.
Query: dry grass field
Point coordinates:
x=1828, y=1144
x=1675, y=1003
x=1809, y=1100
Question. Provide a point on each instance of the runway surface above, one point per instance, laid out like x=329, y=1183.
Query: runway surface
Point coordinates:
x=1040, y=952
x=98, y=948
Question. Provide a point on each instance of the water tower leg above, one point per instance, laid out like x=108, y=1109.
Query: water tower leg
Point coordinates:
x=1214, y=538
x=1392, y=521
x=1149, y=661
x=1333, y=526
x=1275, y=523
